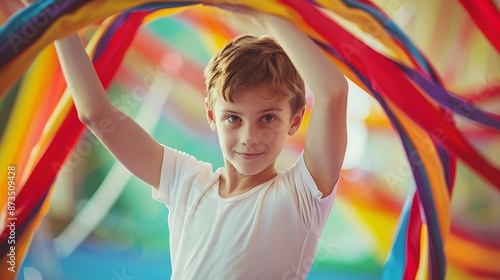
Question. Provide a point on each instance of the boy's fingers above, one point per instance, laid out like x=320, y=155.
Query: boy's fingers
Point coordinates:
x=231, y=8
x=27, y=2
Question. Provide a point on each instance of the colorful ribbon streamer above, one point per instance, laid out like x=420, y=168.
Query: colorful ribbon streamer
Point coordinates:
x=402, y=80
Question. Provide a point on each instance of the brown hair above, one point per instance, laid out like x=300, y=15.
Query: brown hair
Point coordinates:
x=248, y=61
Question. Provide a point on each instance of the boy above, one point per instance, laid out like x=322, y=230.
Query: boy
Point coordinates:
x=246, y=220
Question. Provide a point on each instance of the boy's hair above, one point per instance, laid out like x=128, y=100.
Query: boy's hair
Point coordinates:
x=248, y=61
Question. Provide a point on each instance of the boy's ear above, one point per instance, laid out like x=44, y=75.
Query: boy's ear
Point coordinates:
x=296, y=121
x=210, y=115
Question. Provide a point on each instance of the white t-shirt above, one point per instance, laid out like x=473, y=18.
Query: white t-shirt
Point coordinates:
x=269, y=232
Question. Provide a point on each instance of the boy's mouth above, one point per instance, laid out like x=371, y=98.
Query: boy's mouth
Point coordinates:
x=249, y=155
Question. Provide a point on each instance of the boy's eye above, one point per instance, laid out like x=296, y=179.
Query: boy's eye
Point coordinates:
x=268, y=118
x=233, y=119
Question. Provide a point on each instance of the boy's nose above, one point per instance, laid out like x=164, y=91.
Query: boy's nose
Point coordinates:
x=250, y=135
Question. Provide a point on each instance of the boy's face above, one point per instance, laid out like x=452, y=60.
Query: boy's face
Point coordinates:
x=252, y=130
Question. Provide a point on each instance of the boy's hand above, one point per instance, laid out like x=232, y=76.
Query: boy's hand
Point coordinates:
x=8, y=8
x=229, y=7
x=259, y=18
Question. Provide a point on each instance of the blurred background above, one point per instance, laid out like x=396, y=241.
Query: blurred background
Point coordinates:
x=103, y=224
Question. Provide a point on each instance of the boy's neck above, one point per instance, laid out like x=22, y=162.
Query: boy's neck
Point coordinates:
x=233, y=183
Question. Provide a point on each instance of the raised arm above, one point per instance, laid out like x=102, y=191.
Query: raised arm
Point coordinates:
x=326, y=137
x=123, y=137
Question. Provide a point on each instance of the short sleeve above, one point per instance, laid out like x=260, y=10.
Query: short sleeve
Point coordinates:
x=177, y=169
x=312, y=209
x=311, y=184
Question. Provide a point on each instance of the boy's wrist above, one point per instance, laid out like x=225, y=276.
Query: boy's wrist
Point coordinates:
x=271, y=21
